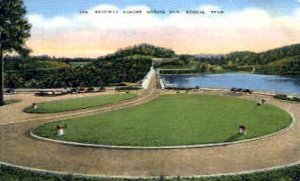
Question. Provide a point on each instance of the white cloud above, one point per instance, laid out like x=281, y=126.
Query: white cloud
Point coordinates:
x=98, y=20
x=250, y=17
x=249, y=25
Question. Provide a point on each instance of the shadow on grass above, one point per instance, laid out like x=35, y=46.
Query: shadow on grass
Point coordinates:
x=234, y=137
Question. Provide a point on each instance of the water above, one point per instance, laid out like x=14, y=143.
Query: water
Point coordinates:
x=268, y=83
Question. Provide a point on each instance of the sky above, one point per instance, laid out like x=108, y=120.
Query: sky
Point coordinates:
x=62, y=28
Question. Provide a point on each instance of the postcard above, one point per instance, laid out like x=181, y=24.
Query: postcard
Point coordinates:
x=150, y=90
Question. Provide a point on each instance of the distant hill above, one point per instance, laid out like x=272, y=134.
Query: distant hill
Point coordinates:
x=209, y=55
x=33, y=63
x=284, y=60
x=285, y=66
x=125, y=65
x=145, y=49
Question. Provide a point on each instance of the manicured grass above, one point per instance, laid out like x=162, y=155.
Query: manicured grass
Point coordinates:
x=11, y=101
x=78, y=103
x=183, y=119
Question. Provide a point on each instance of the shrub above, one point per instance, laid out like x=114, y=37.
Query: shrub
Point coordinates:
x=287, y=98
x=128, y=88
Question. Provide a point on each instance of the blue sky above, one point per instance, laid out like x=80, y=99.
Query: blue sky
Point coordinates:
x=51, y=8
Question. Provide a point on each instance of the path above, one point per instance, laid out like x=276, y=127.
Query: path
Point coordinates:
x=246, y=66
x=17, y=147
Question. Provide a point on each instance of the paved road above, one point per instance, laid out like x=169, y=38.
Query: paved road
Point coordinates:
x=17, y=147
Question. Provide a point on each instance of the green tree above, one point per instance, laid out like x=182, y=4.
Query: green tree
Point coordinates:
x=14, y=30
x=203, y=67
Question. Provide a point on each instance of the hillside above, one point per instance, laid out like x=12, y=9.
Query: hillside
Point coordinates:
x=33, y=63
x=284, y=60
x=126, y=65
x=263, y=58
x=287, y=65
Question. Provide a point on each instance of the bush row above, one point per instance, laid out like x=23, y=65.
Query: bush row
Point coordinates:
x=127, y=88
x=10, y=173
x=179, y=88
x=287, y=98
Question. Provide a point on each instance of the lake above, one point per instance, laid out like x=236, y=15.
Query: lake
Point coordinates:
x=268, y=83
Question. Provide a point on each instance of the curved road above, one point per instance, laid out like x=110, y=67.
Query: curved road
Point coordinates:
x=252, y=66
x=17, y=147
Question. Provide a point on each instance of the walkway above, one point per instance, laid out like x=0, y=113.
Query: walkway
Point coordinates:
x=17, y=147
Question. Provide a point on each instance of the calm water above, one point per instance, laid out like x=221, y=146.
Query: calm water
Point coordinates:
x=269, y=83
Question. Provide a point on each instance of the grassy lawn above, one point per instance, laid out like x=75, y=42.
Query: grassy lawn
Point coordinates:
x=78, y=103
x=183, y=119
x=11, y=101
